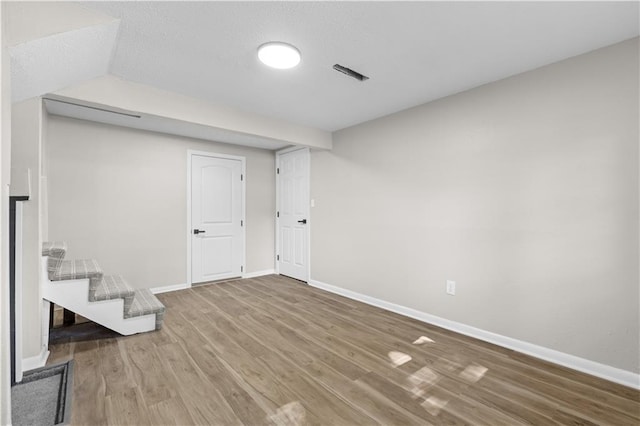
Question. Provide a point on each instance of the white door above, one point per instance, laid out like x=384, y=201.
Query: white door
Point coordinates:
x=217, y=197
x=293, y=214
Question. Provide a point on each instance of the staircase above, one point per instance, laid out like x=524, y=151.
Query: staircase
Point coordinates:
x=81, y=287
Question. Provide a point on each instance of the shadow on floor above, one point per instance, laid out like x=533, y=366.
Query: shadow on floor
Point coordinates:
x=80, y=333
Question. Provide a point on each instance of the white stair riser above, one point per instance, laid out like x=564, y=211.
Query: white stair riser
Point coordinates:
x=73, y=295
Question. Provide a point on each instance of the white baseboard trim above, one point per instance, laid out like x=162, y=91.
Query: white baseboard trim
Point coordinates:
x=176, y=287
x=168, y=288
x=593, y=368
x=34, y=362
x=259, y=273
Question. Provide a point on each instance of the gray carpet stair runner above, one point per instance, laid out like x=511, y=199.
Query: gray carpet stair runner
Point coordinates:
x=136, y=302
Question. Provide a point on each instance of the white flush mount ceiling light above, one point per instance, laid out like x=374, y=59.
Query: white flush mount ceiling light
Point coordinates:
x=279, y=55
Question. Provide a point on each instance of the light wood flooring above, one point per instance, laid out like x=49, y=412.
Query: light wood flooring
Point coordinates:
x=271, y=350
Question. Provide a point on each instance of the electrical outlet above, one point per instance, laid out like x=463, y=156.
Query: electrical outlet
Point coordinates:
x=451, y=287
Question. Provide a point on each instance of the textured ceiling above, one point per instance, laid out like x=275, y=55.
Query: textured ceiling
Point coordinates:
x=56, y=61
x=54, y=45
x=31, y=20
x=413, y=52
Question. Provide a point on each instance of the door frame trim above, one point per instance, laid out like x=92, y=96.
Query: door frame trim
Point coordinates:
x=243, y=161
x=275, y=215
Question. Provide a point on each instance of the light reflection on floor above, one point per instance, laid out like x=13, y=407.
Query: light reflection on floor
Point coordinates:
x=433, y=405
x=421, y=384
x=473, y=373
x=422, y=380
x=422, y=340
x=291, y=414
x=398, y=358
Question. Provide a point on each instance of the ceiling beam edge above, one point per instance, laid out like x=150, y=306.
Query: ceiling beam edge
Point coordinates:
x=139, y=98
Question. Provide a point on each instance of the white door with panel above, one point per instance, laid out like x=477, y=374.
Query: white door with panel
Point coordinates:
x=217, y=238
x=293, y=214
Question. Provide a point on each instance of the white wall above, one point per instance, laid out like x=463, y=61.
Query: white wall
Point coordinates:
x=27, y=122
x=5, y=166
x=524, y=191
x=119, y=195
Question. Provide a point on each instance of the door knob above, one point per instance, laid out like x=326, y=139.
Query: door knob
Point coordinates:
x=303, y=221
x=198, y=231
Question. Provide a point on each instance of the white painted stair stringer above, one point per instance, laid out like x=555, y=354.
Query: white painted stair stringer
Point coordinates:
x=74, y=296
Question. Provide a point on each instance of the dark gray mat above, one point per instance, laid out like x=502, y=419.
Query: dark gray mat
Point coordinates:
x=43, y=397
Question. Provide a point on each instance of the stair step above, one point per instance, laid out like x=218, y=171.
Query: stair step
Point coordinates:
x=112, y=287
x=77, y=269
x=145, y=303
x=55, y=250
x=137, y=303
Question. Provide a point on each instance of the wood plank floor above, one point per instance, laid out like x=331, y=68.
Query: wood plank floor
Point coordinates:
x=271, y=350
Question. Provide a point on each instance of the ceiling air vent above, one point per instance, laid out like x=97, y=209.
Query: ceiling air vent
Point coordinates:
x=350, y=72
x=127, y=113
